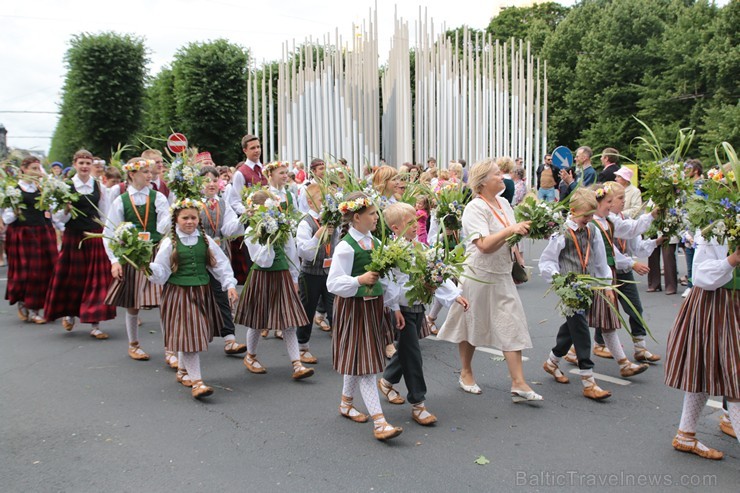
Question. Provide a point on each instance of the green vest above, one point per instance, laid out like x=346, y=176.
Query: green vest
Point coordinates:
x=288, y=201
x=363, y=258
x=191, y=268
x=608, y=246
x=735, y=281
x=279, y=263
x=130, y=216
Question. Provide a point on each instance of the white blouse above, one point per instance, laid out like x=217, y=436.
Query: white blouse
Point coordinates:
x=711, y=269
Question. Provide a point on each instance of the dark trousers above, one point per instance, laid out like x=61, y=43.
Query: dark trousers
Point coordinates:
x=689, y=264
x=222, y=300
x=574, y=332
x=310, y=288
x=669, y=268
x=406, y=362
x=629, y=289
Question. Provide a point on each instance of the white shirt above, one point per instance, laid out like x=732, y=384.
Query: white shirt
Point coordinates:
x=446, y=293
x=231, y=225
x=234, y=196
x=549, y=264
x=264, y=255
x=711, y=269
x=626, y=229
x=86, y=189
x=306, y=241
x=161, y=267
x=138, y=197
x=9, y=214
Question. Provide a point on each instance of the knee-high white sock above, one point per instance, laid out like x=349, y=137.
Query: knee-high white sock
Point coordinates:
x=291, y=344
x=349, y=386
x=132, y=327
x=733, y=408
x=435, y=309
x=611, y=340
x=180, y=361
x=693, y=403
x=253, y=338
x=192, y=365
x=369, y=391
x=554, y=359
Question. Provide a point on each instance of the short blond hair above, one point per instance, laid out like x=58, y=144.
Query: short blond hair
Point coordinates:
x=505, y=164
x=382, y=176
x=456, y=168
x=394, y=214
x=478, y=174
x=582, y=200
x=313, y=194
x=614, y=187
x=151, y=153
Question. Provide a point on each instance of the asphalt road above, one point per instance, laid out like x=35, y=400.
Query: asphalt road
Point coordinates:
x=79, y=416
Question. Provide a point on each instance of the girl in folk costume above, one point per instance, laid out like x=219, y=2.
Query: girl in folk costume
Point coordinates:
x=82, y=263
x=148, y=210
x=31, y=246
x=219, y=221
x=601, y=316
x=358, y=342
x=271, y=300
x=703, y=356
x=190, y=314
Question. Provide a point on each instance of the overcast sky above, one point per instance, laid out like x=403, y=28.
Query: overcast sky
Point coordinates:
x=35, y=35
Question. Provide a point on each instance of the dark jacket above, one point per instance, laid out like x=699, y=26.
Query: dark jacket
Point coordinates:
x=607, y=174
x=555, y=173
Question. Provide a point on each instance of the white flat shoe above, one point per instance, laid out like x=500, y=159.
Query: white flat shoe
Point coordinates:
x=471, y=389
x=521, y=396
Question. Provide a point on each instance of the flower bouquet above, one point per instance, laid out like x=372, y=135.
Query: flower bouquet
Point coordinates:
x=429, y=268
x=269, y=225
x=128, y=246
x=547, y=218
x=329, y=215
x=392, y=253
x=55, y=195
x=451, y=202
x=184, y=179
x=10, y=194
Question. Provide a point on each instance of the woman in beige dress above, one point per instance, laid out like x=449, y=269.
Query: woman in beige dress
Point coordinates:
x=496, y=316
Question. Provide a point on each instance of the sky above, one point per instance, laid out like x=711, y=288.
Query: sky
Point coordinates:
x=35, y=35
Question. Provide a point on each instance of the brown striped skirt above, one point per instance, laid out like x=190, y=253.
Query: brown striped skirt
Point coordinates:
x=270, y=301
x=190, y=317
x=601, y=316
x=134, y=290
x=359, y=341
x=704, y=345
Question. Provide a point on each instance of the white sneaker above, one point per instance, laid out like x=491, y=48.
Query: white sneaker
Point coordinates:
x=686, y=293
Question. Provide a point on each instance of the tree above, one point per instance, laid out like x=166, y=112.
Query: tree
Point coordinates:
x=531, y=24
x=160, y=109
x=210, y=97
x=102, y=95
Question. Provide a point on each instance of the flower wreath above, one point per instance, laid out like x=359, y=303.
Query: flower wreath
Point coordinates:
x=355, y=205
x=601, y=192
x=137, y=165
x=186, y=204
x=270, y=167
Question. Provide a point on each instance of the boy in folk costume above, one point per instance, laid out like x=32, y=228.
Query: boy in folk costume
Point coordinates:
x=219, y=221
x=157, y=167
x=149, y=212
x=316, y=244
x=82, y=263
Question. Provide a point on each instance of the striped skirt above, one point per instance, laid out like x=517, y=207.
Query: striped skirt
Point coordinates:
x=32, y=254
x=270, y=301
x=134, y=290
x=190, y=317
x=358, y=343
x=704, y=345
x=240, y=261
x=601, y=316
x=81, y=280
x=389, y=326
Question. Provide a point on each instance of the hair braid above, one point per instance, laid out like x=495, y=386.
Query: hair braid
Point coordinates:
x=174, y=257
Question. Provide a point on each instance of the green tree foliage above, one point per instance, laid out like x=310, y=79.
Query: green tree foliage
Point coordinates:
x=102, y=96
x=531, y=24
x=210, y=97
x=160, y=110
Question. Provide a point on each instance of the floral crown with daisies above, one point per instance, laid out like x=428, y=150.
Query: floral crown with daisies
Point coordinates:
x=355, y=205
x=270, y=167
x=601, y=192
x=137, y=165
x=186, y=204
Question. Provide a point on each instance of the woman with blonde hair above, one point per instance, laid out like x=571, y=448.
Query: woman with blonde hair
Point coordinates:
x=456, y=172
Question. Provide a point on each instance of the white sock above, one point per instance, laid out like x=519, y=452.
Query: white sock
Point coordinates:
x=192, y=365
x=587, y=377
x=693, y=403
x=733, y=408
x=291, y=343
x=369, y=391
x=554, y=359
x=303, y=347
x=253, y=338
x=639, y=343
x=435, y=309
x=229, y=338
x=181, y=361
x=349, y=385
x=419, y=406
x=611, y=340
x=132, y=327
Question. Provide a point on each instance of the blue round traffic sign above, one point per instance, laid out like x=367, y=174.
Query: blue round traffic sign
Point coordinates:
x=562, y=157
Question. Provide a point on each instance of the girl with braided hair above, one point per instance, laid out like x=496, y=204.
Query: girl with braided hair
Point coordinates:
x=189, y=311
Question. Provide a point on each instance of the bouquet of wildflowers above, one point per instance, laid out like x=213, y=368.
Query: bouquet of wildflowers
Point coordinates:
x=547, y=218
x=451, y=201
x=10, y=194
x=128, y=246
x=392, y=253
x=429, y=268
x=55, y=195
x=184, y=179
x=329, y=215
x=269, y=225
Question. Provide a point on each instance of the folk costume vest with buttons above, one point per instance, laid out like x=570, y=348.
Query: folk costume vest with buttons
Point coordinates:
x=734, y=283
x=251, y=177
x=608, y=237
x=88, y=207
x=191, y=268
x=363, y=258
x=130, y=216
x=568, y=260
x=279, y=263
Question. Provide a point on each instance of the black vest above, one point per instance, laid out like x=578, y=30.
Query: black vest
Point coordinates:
x=88, y=212
x=31, y=215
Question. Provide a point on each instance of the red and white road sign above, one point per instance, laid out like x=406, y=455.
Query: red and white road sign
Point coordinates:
x=177, y=143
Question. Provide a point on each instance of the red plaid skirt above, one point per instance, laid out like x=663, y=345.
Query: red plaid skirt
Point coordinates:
x=81, y=279
x=240, y=261
x=32, y=253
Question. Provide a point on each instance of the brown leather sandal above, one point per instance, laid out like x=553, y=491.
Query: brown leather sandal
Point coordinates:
x=595, y=392
x=300, y=372
x=346, y=408
x=390, y=393
x=417, y=411
x=200, y=389
x=68, y=323
x=687, y=442
x=384, y=430
x=253, y=364
x=135, y=352
x=233, y=347
x=183, y=377
x=553, y=370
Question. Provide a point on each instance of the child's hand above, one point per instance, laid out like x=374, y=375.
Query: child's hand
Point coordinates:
x=368, y=278
x=655, y=212
x=116, y=271
x=462, y=302
x=641, y=268
x=233, y=297
x=400, y=322
x=612, y=296
x=320, y=232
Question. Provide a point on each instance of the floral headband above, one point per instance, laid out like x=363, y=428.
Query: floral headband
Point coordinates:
x=601, y=192
x=186, y=204
x=270, y=167
x=355, y=205
x=137, y=165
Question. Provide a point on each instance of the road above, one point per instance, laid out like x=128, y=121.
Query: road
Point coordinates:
x=79, y=416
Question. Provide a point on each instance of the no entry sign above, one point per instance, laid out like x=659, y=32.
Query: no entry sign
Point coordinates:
x=177, y=143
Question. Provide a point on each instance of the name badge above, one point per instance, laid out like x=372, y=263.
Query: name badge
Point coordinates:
x=145, y=236
x=327, y=263
x=369, y=298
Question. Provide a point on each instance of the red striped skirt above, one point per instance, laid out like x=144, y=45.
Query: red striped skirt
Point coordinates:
x=134, y=291
x=389, y=326
x=190, y=317
x=81, y=279
x=270, y=301
x=704, y=345
x=32, y=254
x=359, y=338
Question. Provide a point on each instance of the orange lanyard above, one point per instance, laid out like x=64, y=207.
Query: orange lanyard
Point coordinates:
x=584, y=262
x=218, y=218
x=608, y=235
x=622, y=243
x=503, y=220
x=327, y=247
x=146, y=214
